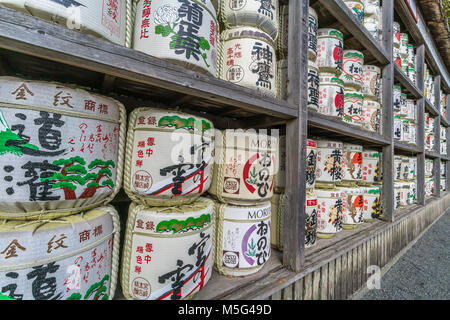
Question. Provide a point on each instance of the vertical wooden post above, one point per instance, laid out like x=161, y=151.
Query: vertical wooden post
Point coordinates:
x=420, y=128
x=437, y=137
x=296, y=132
x=447, y=164
x=388, y=115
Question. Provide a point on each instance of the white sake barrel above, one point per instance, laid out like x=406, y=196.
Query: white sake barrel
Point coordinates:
x=331, y=95
x=443, y=147
x=280, y=177
x=313, y=86
x=410, y=189
x=443, y=106
x=372, y=115
x=410, y=110
x=405, y=168
x=412, y=133
x=242, y=238
x=398, y=128
x=405, y=67
x=398, y=168
x=168, y=252
x=442, y=132
x=352, y=162
x=429, y=167
x=371, y=170
x=404, y=39
x=352, y=70
x=62, y=149
x=283, y=36
x=329, y=212
x=313, y=26
x=244, y=168
x=443, y=184
x=329, y=161
x=283, y=78
x=403, y=98
x=330, y=50
x=311, y=211
x=412, y=74
x=396, y=33
x=427, y=121
x=277, y=203
x=429, y=186
x=259, y=14
x=414, y=167
x=442, y=168
x=372, y=203
x=248, y=59
x=352, y=207
x=371, y=7
x=429, y=142
x=169, y=157
x=397, y=93
x=71, y=258
x=373, y=26
x=182, y=32
x=371, y=82
x=398, y=59
x=357, y=8
x=406, y=133
x=398, y=191
x=411, y=55
x=404, y=105
x=105, y=18
x=311, y=161
x=406, y=194
x=353, y=108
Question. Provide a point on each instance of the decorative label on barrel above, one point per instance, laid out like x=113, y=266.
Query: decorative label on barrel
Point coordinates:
x=60, y=148
x=168, y=252
x=371, y=82
x=102, y=18
x=244, y=168
x=352, y=207
x=329, y=161
x=371, y=170
x=352, y=66
x=330, y=51
x=169, y=157
x=311, y=220
x=313, y=25
x=248, y=59
x=331, y=96
x=261, y=14
x=352, y=162
x=183, y=31
x=372, y=203
x=329, y=212
x=357, y=8
x=313, y=86
x=311, y=161
x=353, y=108
x=398, y=128
x=243, y=238
x=396, y=33
x=72, y=258
x=372, y=116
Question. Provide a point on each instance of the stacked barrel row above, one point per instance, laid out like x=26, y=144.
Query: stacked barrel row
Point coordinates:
x=404, y=53
x=405, y=115
x=443, y=176
x=429, y=91
x=373, y=19
x=430, y=138
x=429, y=177
x=443, y=140
x=405, y=181
x=61, y=160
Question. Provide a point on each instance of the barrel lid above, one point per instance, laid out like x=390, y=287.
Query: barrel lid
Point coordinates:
x=312, y=12
x=353, y=94
x=328, y=193
x=354, y=54
x=372, y=104
x=352, y=147
x=330, y=32
x=328, y=144
x=371, y=68
x=371, y=154
x=398, y=88
x=330, y=79
x=240, y=32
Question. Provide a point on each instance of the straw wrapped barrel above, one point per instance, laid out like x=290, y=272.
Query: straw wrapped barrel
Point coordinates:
x=243, y=238
x=168, y=251
x=169, y=157
x=71, y=258
x=102, y=18
x=61, y=149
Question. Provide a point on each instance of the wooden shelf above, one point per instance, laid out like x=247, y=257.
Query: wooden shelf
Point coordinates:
x=406, y=83
x=444, y=122
x=406, y=147
x=430, y=108
x=341, y=130
x=432, y=154
x=32, y=47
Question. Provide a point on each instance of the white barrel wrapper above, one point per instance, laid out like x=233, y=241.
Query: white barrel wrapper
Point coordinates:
x=330, y=214
x=330, y=50
x=329, y=161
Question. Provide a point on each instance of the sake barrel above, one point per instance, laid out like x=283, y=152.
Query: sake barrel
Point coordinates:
x=411, y=55
x=372, y=114
x=352, y=66
x=396, y=33
x=243, y=238
x=372, y=25
x=398, y=168
x=371, y=82
x=442, y=167
x=280, y=177
x=329, y=161
x=405, y=66
x=168, y=252
x=410, y=197
x=412, y=133
x=403, y=98
x=283, y=37
x=60, y=150
x=372, y=203
x=248, y=59
x=410, y=113
x=352, y=207
x=329, y=212
x=412, y=74
x=414, y=168
x=244, y=168
x=404, y=105
x=404, y=38
x=330, y=46
x=371, y=7
x=429, y=145
x=443, y=184
x=277, y=207
x=406, y=134
x=260, y=14
x=443, y=106
x=313, y=86
x=427, y=121
x=183, y=32
x=311, y=160
x=331, y=95
x=311, y=219
x=357, y=8
x=398, y=128
x=104, y=18
x=353, y=108
x=397, y=93
x=405, y=168
x=169, y=157
x=443, y=146
x=75, y=257
x=371, y=170
x=313, y=25
x=352, y=162
x=429, y=186
x=428, y=167
x=442, y=132
x=398, y=192
x=283, y=79
x=398, y=59
x=405, y=194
